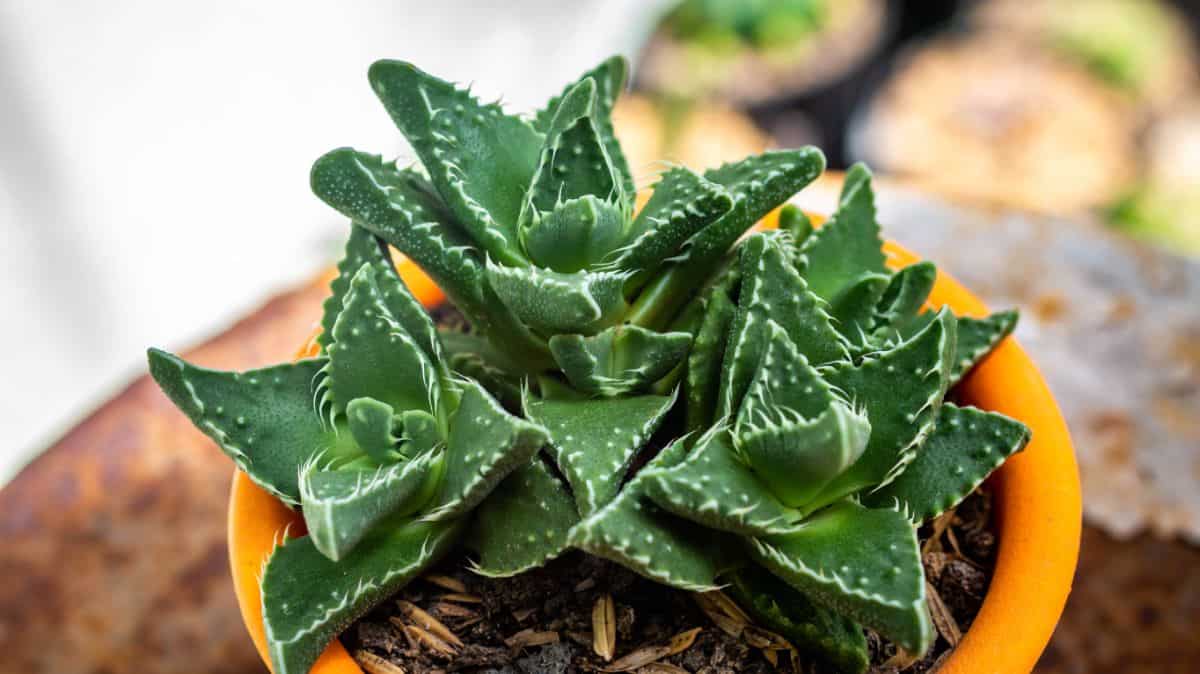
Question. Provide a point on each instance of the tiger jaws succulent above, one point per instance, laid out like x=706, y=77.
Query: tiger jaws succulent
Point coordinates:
x=644, y=384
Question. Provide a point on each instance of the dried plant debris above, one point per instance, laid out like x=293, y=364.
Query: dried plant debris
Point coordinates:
x=583, y=614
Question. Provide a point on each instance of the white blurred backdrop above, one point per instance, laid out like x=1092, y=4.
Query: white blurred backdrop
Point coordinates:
x=154, y=161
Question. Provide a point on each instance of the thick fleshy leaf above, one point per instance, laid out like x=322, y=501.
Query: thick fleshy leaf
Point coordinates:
x=341, y=506
x=523, y=523
x=796, y=457
x=813, y=629
x=703, y=379
x=265, y=420
x=976, y=338
x=574, y=161
x=552, y=302
x=373, y=356
x=610, y=79
x=576, y=235
x=419, y=433
x=621, y=359
x=372, y=423
x=853, y=307
x=902, y=390
x=635, y=533
x=773, y=292
x=785, y=385
x=682, y=204
x=964, y=448
x=758, y=184
x=594, y=440
x=793, y=221
x=712, y=488
x=848, y=245
x=387, y=202
x=361, y=248
x=863, y=564
x=308, y=599
x=486, y=443
x=903, y=299
x=480, y=160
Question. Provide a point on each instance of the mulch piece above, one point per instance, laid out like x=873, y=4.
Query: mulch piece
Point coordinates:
x=561, y=618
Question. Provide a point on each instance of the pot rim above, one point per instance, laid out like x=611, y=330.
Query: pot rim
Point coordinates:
x=1036, y=493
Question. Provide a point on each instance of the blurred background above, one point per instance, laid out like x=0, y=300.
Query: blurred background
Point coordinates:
x=153, y=191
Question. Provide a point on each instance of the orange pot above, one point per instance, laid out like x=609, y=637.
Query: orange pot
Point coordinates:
x=1036, y=501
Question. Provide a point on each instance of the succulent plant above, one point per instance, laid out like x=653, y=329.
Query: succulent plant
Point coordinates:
x=385, y=449
x=811, y=437
x=818, y=385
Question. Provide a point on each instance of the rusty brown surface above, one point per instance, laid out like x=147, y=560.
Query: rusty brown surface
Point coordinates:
x=1135, y=609
x=113, y=556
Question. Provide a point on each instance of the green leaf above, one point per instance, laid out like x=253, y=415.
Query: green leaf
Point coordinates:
x=341, y=506
x=773, y=292
x=702, y=382
x=635, y=533
x=784, y=386
x=575, y=235
x=385, y=201
x=682, y=204
x=848, y=245
x=552, y=302
x=573, y=161
x=361, y=248
x=308, y=599
x=619, y=360
x=480, y=160
x=486, y=443
x=419, y=433
x=902, y=301
x=794, y=221
x=853, y=307
x=523, y=523
x=976, y=339
x=813, y=629
x=370, y=423
x=265, y=420
x=593, y=441
x=610, y=78
x=902, y=390
x=964, y=448
x=863, y=564
x=758, y=184
x=712, y=488
x=372, y=355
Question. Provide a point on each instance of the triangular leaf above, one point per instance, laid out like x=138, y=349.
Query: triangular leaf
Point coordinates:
x=486, y=443
x=813, y=629
x=619, y=360
x=905, y=296
x=552, y=302
x=308, y=599
x=682, y=204
x=385, y=201
x=593, y=441
x=635, y=533
x=849, y=244
x=341, y=506
x=902, y=390
x=703, y=378
x=480, y=160
x=976, y=338
x=523, y=523
x=610, y=79
x=964, y=448
x=853, y=307
x=575, y=235
x=864, y=564
x=361, y=248
x=796, y=223
x=372, y=355
x=712, y=488
x=773, y=292
x=371, y=422
x=265, y=420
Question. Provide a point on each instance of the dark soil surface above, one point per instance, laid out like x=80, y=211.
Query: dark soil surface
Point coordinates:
x=541, y=622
